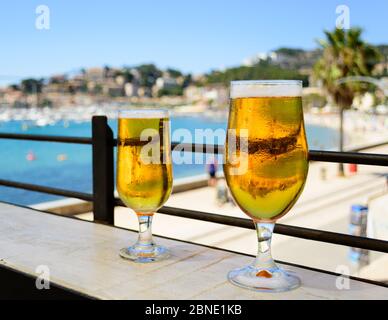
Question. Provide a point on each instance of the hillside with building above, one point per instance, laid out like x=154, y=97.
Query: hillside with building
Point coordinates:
x=147, y=83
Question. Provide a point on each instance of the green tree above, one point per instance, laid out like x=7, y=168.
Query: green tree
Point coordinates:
x=384, y=51
x=188, y=79
x=14, y=87
x=107, y=70
x=345, y=54
x=174, y=73
x=148, y=73
x=173, y=91
x=290, y=51
x=264, y=70
x=126, y=73
x=30, y=86
x=314, y=100
x=33, y=86
x=97, y=89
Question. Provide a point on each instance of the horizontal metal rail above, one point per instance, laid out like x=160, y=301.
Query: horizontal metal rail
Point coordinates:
x=349, y=157
x=46, y=138
x=48, y=190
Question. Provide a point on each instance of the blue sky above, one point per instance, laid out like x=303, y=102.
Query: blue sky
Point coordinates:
x=194, y=36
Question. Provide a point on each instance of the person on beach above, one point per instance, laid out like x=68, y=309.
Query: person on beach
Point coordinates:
x=222, y=196
x=212, y=168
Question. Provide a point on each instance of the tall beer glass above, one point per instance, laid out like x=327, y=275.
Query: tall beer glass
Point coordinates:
x=144, y=174
x=266, y=165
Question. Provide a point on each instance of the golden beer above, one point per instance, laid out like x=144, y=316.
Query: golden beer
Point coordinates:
x=144, y=175
x=266, y=164
x=276, y=154
x=144, y=185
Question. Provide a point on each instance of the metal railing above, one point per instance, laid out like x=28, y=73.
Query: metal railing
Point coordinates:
x=103, y=144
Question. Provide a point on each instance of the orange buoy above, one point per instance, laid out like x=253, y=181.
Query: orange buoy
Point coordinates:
x=30, y=156
x=352, y=168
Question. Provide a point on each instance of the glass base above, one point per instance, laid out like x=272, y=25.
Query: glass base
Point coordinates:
x=145, y=253
x=264, y=280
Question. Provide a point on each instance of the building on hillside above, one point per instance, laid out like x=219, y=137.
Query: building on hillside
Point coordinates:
x=120, y=80
x=163, y=83
x=110, y=73
x=261, y=56
x=144, y=92
x=193, y=93
x=95, y=75
x=112, y=89
x=13, y=98
x=54, y=88
x=136, y=74
x=131, y=89
x=57, y=79
x=76, y=84
x=216, y=95
x=381, y=68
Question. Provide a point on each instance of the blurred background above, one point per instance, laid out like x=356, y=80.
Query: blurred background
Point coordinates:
x=61, y=62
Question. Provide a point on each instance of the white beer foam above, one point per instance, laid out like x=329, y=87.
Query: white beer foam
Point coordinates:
x=256, y=89
x=144, y=114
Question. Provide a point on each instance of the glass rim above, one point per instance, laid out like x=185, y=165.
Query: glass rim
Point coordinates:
x=143, y=113
x=265, y=88
x=266, y=82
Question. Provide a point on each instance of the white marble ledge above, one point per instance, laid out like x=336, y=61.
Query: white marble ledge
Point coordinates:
x=83, y=256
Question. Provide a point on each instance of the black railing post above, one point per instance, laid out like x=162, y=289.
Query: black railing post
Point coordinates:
x=103, y=183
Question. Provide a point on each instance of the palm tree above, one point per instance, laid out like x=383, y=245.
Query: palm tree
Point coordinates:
x=345, y=54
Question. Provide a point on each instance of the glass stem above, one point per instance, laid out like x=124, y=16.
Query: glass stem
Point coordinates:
x=264, y=258
x=145, y=230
